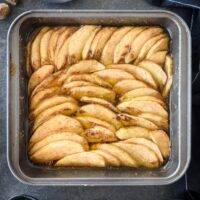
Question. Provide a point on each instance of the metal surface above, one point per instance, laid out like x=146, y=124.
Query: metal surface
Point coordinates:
x=58, y=1
x=180, y=101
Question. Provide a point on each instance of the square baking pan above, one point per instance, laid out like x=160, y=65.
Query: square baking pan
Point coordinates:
x=17, y=99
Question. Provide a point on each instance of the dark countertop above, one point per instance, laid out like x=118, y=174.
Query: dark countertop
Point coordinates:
x=9, y=186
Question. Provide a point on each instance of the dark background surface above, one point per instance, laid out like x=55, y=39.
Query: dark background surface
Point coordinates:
x=9, y=186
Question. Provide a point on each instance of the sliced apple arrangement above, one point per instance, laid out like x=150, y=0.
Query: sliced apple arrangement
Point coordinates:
x=98, y=96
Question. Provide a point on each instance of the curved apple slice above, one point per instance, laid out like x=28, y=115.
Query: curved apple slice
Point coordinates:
x=169, y=71
x=69, y=85
x=56, y=123
x=112, y=76
x=92, y=78
x=99, y=134
x=56, y=150
x=143, y=156
x=43, y=94
x=140, y=40
x=50, y=102
x=162, y=140
x=92, y=91
x=66, y=108
x=138, y=107
x=61, y=55
x=77, y=42
x=159, y=137
x=29, y=67
x=149, y=98
x=130, y=120
x=99, y=112
x=138, y=72
x=151, y=145
x=99, y=101
x=160, y=45
x=35, y=49
x=83, y=159
x=156, y=119
x=107, y=55
x=158, y=57
x=53, y=42
x=57, y=136
x=156, y=71
x=85, y=66
x=87, y=47
x=132, y=132
x=139, y=93
x=100, y=41
x=62, y=38
x=89, y=122
x=147, y=46
x=123, y=47
x=48, y=82
x=38, y=76
x=123, y=156
x=110, y=159
x=44, y=47
x=124, y=86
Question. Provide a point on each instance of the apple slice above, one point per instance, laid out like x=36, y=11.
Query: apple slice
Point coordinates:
x=112, y=76
x=66, y=108
x=83, y=159
x=129, y=120
x=99, y=134
x=100, y=41
x=156, y=119
x=156, y=71
x=158, y=57
x=87, y=47
x=43, y=94
x=85, y=66
x=169, y=71
x=132, y=132
x=140, y=93
x=57, y=136
x=125, y=86
x=61, y=54
x=139, y=42
x=138, y=107
x=38, y=76
x=143, y=156
x=99, y=112
x=53, y=42
x=147, y=143
x=92, y=91
x=56, y=150
x=56, y=123
x=44, y=47
x=89, y=78
x=99, y=101
x=123, y=47
x=160, y=45
x=147, y=46
x=107, y=56
x=138, y=72
x=77, y=42
x=50, y=102
x=89, y=122
x=110, y=159
x=35, y=57
x=123, y=156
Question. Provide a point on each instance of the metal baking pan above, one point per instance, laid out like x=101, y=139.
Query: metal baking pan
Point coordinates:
x=180, y=100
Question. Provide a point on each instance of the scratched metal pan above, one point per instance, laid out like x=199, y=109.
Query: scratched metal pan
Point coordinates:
x=17, y=101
